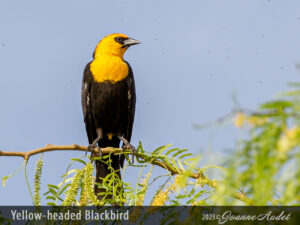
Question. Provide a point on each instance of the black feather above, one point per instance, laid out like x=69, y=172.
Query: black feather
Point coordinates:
x=109, y=107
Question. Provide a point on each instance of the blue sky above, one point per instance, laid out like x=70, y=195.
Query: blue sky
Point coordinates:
x=194, y=56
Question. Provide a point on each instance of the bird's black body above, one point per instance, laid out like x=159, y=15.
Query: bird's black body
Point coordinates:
x=108, y=108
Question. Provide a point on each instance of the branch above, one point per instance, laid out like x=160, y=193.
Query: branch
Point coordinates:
x=108, y=150
x=50, y=148
x=75, y=147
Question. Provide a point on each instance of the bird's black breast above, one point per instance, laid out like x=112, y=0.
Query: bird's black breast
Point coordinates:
x=108, y=106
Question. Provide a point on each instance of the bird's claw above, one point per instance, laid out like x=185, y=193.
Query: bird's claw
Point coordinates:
x=91, y=148
x=132, y=149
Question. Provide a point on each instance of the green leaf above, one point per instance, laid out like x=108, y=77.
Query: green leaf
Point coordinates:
x=181, y=166
x=181, y=196
x=197, y=195
x=172, y=150
x=4, y=179
x=179, y=152
x=174, y=164
x=60, y=198
x=63, y=189
x=132, y=165
x=51, y=203
x=161, y=149
x=276, y=104
x=140, y=147
x=51, y=197
x=65, y=181
x=69, y=172
x=53, y=191
x=52, y=186
x=168, y=163
x=79, y=160
x=186, y=155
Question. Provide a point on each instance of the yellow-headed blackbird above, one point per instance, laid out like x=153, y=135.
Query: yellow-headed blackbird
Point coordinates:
x=108, y=100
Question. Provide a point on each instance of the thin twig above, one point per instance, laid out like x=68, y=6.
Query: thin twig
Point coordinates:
x=108, y=150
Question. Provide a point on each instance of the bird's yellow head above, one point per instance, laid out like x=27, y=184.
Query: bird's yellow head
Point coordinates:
x=114, y=44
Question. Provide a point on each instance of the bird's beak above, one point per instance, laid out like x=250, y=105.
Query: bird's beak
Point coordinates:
x=130, y=41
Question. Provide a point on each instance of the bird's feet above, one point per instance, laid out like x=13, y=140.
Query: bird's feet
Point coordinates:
x=131, y=148
x=127, y=145
x=91, y=148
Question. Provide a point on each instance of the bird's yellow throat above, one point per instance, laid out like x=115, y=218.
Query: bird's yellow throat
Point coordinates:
x=109, y=68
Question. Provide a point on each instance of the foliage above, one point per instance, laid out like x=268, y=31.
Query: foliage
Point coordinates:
x=266, y=166
x=77, y=184
x=263, y=170
x=37, y=182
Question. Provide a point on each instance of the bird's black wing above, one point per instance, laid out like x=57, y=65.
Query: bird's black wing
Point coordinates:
x=131, y=104
x=131, y=97
x=86, y=104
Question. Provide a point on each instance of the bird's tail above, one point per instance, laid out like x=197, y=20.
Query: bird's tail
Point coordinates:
x=105, y=168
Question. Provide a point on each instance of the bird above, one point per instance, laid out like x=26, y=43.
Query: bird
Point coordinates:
x=108, y=99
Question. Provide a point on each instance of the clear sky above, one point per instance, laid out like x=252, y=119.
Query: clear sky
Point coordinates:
x=194, y=56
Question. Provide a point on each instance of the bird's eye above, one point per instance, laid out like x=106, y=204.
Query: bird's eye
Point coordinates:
x=119, y=40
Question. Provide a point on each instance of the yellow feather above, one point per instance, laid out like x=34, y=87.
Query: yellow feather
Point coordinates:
x=108, y=64
x=110, y=136
x=109, y=68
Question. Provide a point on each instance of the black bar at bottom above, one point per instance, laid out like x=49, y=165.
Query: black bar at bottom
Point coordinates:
x=283, y=215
